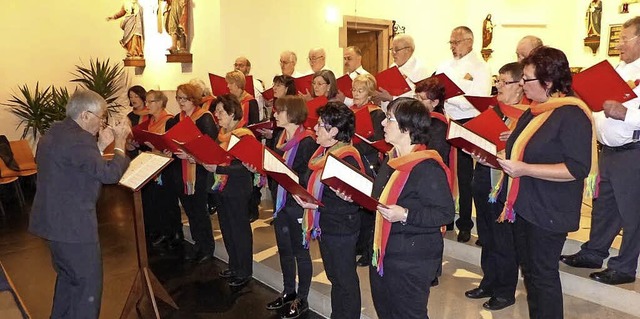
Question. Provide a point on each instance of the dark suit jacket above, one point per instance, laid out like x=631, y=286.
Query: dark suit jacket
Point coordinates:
x=71, y=172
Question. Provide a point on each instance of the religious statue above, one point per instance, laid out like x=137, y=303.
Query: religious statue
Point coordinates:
x=177, y=24
x=487, y=32
x=131, y=24
x=593, y=18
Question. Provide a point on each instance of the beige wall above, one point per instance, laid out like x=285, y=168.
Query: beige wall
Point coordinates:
x=53, y=36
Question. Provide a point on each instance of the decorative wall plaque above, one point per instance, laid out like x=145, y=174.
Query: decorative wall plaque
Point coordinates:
x=614, y=37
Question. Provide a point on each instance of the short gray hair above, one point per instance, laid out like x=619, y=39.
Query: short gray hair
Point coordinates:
x=85, y=100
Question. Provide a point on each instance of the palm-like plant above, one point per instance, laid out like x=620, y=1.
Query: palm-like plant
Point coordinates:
x=59, y=98
x=103, y=78
x=33, y=109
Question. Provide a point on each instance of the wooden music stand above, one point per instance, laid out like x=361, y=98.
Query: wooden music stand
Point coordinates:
x=145, y=282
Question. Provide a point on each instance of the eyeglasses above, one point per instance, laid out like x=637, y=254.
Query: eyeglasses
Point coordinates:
x=456, y=42
x=391, y=119
x=354, y=90
x=527, y=80
x=239, y=65
x=285, y=62
x=181, y=98
x=394, y=50
x=103, y=118
x=504, y=83
x=625, y=41
x=326, y=127
x=152, y=101
x=316, y=58
x=318, y=83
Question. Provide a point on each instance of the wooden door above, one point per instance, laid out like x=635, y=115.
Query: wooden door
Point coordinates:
x=367, y=41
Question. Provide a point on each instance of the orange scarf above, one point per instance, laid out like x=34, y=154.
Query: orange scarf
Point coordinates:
x=159, y=125
x=245, y=98
x=142, y=113
x=541, y=113
x=189, y=169
x=403, y=166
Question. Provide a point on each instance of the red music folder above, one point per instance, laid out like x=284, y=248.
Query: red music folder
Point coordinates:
x=393, y=81
x=341, y=176
x=345, y=84
x=206, y=151
x=268, y=94
x=364, y=125
x=248, y=150
x=182, y=132
x=599, y=83
x=489, y=125
x=266, y=125
x=218, y=85
x=248, y=86
x=381, y=145
x=275, y=167
x=463, y=138
x=312, y=107
x=482, y=103
x=451, y=89
x=303, y=83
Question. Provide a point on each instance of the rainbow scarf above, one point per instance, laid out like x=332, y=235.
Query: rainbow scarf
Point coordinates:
x=541, y=113
x=402, y=166
x=290, y=148
x=189, y=169
x=311, y=217
x=224, y=136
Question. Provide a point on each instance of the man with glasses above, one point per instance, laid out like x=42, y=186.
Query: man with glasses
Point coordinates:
x=617, y=206
x=317, y=60
x=473, y=76
x=71, y=172
x=243, y=65
x=412, y=69
x=288, y=60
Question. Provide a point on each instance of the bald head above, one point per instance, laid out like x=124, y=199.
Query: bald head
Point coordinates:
x=243, y=65
x=317, y=58
x=461, y=41
x=402, y=48
x=526, y=45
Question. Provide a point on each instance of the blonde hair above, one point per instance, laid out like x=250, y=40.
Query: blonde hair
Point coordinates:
x=237, y=78
x=369, y=82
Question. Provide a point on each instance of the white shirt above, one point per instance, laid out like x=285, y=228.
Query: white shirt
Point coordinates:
x=414, y=71
x=360, y=70
x=612, y=132
x=479, y=85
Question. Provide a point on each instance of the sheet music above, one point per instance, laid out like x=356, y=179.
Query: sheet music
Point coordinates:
x=458, y=131
x=232, y=142
x=143, y=167
x=334, y=168
x=273, y=164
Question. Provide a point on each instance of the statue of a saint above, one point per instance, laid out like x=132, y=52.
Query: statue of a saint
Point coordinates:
x=487, y=32
x=131, y=24
x=177, y=24
x=593, y=18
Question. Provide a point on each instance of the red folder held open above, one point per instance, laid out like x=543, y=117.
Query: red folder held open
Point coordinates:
x=275, y=167
x=364, y=125
x=312, y=107
x=182, y=132
x=205, y=150
x=266, y=125
x=339, y=175
x=599, y=83
x=218, y=85
x=451, y=89
x=248, y=150
x=482, y=103
x=268, y=94
x=489, y=125
x=381, y=145
x=345, y=84
x=463, y=138
x=393, y=81
x=303, y=83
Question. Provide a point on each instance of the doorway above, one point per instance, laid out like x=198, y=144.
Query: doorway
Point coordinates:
x=372, y=36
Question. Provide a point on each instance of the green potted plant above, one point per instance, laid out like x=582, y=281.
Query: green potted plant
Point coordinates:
x=108, y=80
x=34, y=109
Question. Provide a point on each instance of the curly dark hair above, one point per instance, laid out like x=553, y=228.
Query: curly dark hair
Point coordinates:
x=338, y=115
x=288, y=82
x=230, y=104
x=412, y=117
x=551, y=66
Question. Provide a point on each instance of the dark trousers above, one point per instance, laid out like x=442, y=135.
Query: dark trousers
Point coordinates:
x=410, y=265
x=339, y=259
x=254, y=205
x=538, y=253
x=498, y=260
x=195, y=206
x=78, y=290
x=364, y=246
x=292, y=252
x=617, y=207
x=233, y=215
x=161, y=209
x=465, y=175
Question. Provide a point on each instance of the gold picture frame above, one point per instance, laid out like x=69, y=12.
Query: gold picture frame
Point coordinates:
x=614, y=38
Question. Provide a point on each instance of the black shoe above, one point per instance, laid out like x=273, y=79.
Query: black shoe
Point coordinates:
x=449, y=227
x=477, y=293
x=159, y=241
x=464, y=236
x=227, y=273
x=580, y=261
x=497, y=303
x=435, y=282
x=239, y=281
x=281, y=301
x=363, y=261
x=612, y=277
x=213, y=210
x=297, y=308
x=478, y=243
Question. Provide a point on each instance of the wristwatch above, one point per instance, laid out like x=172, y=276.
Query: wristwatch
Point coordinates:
x=404, y=218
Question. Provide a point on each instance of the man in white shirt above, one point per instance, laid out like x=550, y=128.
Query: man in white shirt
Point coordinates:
x=243, y=65
x=412, y=69
x=526, y=45
x=473, y=76
x=288, y=60
x=317, y=60
x=353, y=66
x=617, y=206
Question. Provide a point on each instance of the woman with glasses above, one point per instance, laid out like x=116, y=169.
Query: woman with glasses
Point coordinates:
x=234, y=183
x=548, y=157
x=296, y=145
x=413, y=184
x=498, y=259
x=190, y=182
x=324, y=84
x=431, y=93
x=363, y=88
x=337, y=223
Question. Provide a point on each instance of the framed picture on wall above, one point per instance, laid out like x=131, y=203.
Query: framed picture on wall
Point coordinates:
x=614, y=38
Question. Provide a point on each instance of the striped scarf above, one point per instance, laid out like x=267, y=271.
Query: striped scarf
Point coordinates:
x=541, y=113
x=189, y=169
x=220, y=180
x=402, y=166
x=290, y=149
x=311, y=217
